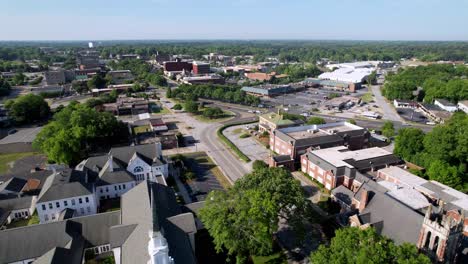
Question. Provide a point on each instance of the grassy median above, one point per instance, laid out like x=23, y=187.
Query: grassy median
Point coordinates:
x=231, y=145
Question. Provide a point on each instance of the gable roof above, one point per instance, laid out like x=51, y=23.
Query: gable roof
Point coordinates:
x=137, y=210
x=64, y=184
x=41, y=240
x=149, y=153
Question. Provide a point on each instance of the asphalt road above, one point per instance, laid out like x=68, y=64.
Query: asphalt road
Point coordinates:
x=389, y=112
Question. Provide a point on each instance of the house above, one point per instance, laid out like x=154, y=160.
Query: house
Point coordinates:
x=270, y=121
x=128, y=106
x=151, y=227
x=144, y=162
x=446, y=105
x=337, y=166
x=16, y=208
x=64, y=191
x=463, y=106
x=294, y=141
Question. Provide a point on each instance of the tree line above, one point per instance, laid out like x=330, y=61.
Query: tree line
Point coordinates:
x=443, y=152
x=226, y=93
x=437, y=80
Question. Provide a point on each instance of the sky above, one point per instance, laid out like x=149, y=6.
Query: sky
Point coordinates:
x=234, y=19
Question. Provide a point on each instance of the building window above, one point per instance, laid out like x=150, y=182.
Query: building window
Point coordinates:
x=115, y=187
x=89, y=209
x=73, y=201
x=87, y=199
x=120, y=187
x=123, y=186
x=138, y=169
x=80, y=200
x=46, y=218
x=57, y=204
x=65, y=203
x=43, y=207
x=53, y=216
x=101, y=190
x=82, y=210
x=107, y=189
x=50, y=206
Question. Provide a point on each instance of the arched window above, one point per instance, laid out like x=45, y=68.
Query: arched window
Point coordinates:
x=436, y=244
x=138, y=169
x=428, y=239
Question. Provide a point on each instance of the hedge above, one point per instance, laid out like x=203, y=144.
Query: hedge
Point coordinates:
x=231, y=145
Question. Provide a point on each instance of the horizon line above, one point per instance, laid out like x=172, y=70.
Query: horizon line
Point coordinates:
x=233, y=39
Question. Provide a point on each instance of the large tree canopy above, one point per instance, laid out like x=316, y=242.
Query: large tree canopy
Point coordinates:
x=443, y=151
x=75, y=131
x=353, y=245
x=28, y=108
x=243, y=219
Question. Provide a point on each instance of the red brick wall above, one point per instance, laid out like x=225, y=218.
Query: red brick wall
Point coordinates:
x=322, y=176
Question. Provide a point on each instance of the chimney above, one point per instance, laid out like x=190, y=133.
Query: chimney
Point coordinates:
x=363, y=201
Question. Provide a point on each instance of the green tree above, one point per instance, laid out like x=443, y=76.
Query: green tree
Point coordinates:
x=315, y=120
x=191, y=106
x=177, y=107
x=242, y=220
x=352, y=121
x=97, y=82
x=442, y=172
x=213, y=112
x=409, y=142
x=169, y=92
x=388, y=129
x=28, y=108
x=5, y=87
x=19, y=78
x=353, y=245
x=259, y=164
x=80, y=86
x=75, y=131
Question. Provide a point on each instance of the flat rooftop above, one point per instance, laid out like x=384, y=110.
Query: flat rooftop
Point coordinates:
x=312, y=131
x=26, y=135
x=337, y=155
x=406, y=195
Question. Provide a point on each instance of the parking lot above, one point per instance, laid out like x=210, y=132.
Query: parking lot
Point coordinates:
x=248, y=145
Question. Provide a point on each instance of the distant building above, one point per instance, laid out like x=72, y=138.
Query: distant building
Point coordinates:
x=177, y=66
x=128, y=57
x=342, y=102
x=267, y=90
x=340, y=166
x=21, y=141
x=127, y=106
x=446, y=105
x=333, y=84
x=120, y=76
x=206, y=79
x=55, y=77
x=201, y=68
x=87, y=61
x=295, y=141
x=463, y=106
x=260, y=76
x=355, y=72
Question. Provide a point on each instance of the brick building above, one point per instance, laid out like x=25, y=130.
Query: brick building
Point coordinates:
x=177, y=66
x=294, y=141
x=200, y=67
x=337, y=166
x=270, y=121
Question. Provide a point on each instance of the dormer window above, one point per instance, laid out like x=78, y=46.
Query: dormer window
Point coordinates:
x=138, y=169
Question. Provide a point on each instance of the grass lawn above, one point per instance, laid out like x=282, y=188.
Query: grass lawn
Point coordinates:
x=161, y=111
x=276, y=258
x=34, y=220
x=141, y=129
x=7, y=158
x=367, y=97
x=237, y=131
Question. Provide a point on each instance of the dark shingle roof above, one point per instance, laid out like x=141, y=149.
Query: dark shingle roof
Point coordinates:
x=13, y=185
x=147, y=152
x=16, y=203
x=391, y=217
x=64, y=184
x=343, y=194
x=38, y=240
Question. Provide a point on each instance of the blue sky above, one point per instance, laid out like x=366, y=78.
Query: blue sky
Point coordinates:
x=234, y=19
